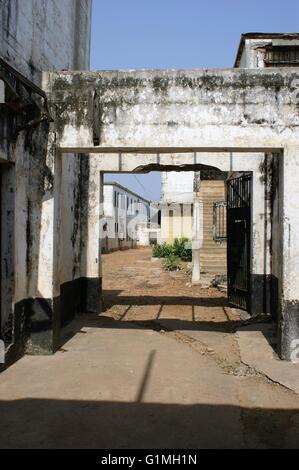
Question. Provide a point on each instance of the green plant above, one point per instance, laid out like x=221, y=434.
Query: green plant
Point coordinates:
x=182, y=248
x=157, y=251
x=172, y=263
x=162, y=251
x=168, y=250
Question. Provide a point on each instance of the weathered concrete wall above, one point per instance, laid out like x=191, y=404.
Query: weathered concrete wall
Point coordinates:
x=212, y=109
x=266, y=182
x=36, y=35
x=276, y=226
x=200, y=110
x=289, y=214
x=70, y=241
x=253, y=53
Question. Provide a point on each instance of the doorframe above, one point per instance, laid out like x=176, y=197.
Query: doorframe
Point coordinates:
x=136, y=160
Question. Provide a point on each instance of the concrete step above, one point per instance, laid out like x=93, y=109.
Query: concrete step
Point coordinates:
x=214, y=249
x=212, y=252
x=216, y=270
x=208, y=254
x=211, y=249
x=213, y=261
x=208, y=240
x=213, y=197
x=213, y=273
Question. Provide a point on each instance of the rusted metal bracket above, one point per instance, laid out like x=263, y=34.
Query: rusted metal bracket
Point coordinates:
x=18, y=96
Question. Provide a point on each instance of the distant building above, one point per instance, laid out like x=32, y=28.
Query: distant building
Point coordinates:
x=259, y=50
x=256, y=50
x=124, y=212
x=176, y=205
x=177, y=208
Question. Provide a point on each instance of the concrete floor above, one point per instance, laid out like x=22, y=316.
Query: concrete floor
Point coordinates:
x=160, y=368
x=257, y=350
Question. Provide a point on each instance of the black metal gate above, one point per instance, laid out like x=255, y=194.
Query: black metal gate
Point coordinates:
x=239, y=191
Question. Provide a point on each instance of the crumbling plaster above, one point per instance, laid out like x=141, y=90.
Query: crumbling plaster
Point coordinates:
x=194, y=109
x=39, y=35
x=35, y=35
x=167, y=112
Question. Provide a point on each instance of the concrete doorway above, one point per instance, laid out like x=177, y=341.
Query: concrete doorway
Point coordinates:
x=154, y=286
x=152, y=114
x=264, y=208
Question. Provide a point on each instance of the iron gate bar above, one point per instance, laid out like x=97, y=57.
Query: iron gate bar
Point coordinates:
x=239, y=191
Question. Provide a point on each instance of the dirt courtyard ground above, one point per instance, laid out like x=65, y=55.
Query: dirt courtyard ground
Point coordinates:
x=159, y=368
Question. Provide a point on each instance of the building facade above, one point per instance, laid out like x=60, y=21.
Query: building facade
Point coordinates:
x=177, y=209
x=176, y=205
x=125, y=212
x=262, y=50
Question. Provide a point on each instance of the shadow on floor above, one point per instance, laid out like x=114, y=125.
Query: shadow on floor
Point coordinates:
x=48, y=423
x=102, y=321
x=111, y=298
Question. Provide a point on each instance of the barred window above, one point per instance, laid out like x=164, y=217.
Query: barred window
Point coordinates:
x=219, y=221
x=282, y=56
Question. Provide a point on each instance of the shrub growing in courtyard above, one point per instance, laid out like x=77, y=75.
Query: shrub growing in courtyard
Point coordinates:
x=181, y=248
x=172, y=263
x=162, y=251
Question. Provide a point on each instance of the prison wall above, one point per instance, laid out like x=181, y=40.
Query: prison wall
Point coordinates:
x=39, y=35
x=36, y=36
x=171, y=111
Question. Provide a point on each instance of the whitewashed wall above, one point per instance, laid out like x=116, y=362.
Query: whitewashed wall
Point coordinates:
x=38, y=36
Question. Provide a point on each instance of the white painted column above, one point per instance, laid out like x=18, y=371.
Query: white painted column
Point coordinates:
x=102, y=220
x=91, y=279
x=261, y=237
x=197, y=232
x=289, y=321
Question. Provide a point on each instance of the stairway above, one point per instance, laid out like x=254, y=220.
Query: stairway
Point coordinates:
x=213, y=254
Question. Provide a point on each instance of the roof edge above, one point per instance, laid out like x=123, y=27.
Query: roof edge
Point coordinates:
x=115, y=183
x=254, y=35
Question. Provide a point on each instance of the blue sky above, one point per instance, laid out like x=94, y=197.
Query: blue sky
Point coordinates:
x=132, y=34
